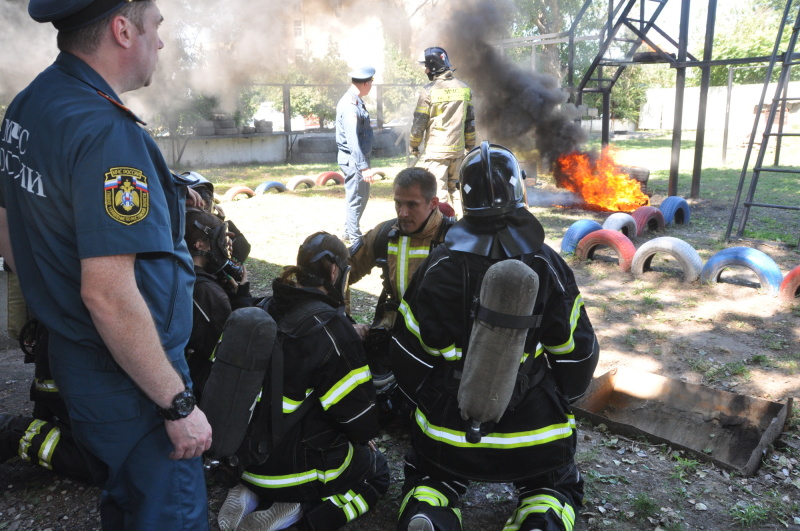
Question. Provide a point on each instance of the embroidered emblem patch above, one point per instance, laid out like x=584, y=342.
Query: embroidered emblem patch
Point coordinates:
x=125, y=195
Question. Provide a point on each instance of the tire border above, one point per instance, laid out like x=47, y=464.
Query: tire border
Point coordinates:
x=683, y=252
x=266, y=186
x=621, y=244
x=760, y=263
x=232, y=192
x=645, y=216
x=671, y=207
x=576, y=232
x=297, y=180
x=326, y=176
x=790, y=287
x=621, y=222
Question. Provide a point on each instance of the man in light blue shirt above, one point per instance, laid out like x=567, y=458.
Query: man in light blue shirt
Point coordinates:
x=354, y=140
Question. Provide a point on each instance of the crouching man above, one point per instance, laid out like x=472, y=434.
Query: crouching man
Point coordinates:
x=326, y=471
x=532, y=440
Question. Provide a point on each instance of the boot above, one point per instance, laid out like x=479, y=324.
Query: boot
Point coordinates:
x=9, y=436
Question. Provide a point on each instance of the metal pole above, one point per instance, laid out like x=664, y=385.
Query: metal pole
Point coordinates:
x=287, y=109
x=727, y=117
x=705, y=79
x=680, y=84
x=606, y=117
x=379, y=97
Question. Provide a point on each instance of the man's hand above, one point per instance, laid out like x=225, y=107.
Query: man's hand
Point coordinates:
x=368, y=175
x=190, y=436
x=193, y=199
x=362, y=330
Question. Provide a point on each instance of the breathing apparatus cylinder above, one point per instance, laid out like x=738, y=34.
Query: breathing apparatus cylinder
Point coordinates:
x=496, y=344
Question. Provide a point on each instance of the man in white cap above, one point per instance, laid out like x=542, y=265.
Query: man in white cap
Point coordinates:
x=92, y=220
x=354, y=140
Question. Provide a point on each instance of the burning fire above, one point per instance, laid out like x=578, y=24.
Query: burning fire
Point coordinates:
x=599, y=181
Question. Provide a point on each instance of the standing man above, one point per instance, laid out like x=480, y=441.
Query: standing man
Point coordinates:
x=533, y=442
x=95, y=221
x=444, y=117
x=354, y=140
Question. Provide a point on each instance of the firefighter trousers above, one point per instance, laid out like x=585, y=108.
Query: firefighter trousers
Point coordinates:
x=548, y=502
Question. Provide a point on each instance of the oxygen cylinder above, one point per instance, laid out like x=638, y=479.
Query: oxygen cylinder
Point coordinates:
x=240, y=365
x=507, y=296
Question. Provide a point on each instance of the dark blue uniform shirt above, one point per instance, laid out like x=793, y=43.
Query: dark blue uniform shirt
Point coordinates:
x=80, y=178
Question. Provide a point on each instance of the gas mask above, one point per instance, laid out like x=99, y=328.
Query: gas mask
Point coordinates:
x=219, y=257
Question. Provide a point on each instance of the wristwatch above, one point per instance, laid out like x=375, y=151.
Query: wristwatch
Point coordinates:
x=182, y=404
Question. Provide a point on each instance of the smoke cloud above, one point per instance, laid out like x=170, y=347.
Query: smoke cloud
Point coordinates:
x=520, y=109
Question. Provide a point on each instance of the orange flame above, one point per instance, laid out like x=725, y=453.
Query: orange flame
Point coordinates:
x=599, y=182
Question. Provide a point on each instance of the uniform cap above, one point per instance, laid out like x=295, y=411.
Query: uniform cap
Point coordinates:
x=364, y=72
x=68, y=15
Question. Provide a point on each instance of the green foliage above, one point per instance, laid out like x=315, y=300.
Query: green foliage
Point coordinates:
x=644, y=506
x=684, y=468
x=748, y=515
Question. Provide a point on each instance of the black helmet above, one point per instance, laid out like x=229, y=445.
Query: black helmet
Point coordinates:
x=436, y=61
x=491, y=181
x=315, y=257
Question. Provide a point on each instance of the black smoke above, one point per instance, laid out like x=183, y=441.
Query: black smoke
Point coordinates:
x=518, y=108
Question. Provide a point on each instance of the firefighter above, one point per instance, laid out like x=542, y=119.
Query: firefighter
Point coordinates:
x=397, y=246
x=533, y=443
x=325, y=471
x=445, y=119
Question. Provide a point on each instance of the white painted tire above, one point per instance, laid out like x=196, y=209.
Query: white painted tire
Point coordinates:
x=681, y=251
x=621, y=222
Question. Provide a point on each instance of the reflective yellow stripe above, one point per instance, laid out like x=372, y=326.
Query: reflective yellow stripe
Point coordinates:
x=344, y=386
x=450, y=353
x=497, y=440
x=422, y=109
x=404, y=253
x=32, y=431
x=352, y=505
x=450, y=94
x=290, y=405
x=292, y=480
x=46, y=386
x=48, y=447
x=569, y=346
x=541, y=504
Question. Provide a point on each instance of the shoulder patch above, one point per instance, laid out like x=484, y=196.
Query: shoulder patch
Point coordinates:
x=126, y=195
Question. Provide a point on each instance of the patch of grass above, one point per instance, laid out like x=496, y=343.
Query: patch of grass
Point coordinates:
x=684, y=468
x=748, y=515
x=611, y=479
x=644, y=506
x=759, y=359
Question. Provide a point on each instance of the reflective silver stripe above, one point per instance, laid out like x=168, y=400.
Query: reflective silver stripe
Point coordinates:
x=292, y=480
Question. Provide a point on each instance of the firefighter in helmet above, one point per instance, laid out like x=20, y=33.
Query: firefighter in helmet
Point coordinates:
x=444, y=120
x=532, y=444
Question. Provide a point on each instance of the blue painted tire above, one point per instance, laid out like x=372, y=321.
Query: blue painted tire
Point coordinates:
x=265, y=187
x=621, y=222
x=768, y=272
x=683, y=253
x=576, y=232
x=675, y=209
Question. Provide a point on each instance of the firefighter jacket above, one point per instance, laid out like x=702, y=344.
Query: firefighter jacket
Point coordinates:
x=404, y=253
x=537, y=433
x=444, y=111
x=326, y=364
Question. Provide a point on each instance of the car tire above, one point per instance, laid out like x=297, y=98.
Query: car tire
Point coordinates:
x=790, y=287
x=327, y=176
x=235, y=192
x=300, y=181
x=266, y=187
x=621, y=244
x=622, y=222
x=675, y=210
x=576, y=232
x=768, y=272
x=648, y=218
x=681, y=251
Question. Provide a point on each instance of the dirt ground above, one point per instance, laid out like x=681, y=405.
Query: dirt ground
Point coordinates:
x=730, y=337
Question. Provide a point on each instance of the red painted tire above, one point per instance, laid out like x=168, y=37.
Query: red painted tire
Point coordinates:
x=790, y=287
x=234, y=192
x=327, y=176
x=607, y=238
x=648, y=218
x=300, y=181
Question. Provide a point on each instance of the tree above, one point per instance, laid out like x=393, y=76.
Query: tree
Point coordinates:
x=399, y=102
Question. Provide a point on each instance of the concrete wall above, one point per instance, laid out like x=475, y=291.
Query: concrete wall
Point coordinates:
x=659, y=110
x=219, y=150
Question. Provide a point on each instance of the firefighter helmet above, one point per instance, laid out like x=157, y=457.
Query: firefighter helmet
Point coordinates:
x=491, y=181
x=436, y=61
x=496, y=222
x=315, y=257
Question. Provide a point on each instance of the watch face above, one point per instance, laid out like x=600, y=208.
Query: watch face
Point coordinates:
x=184, y=403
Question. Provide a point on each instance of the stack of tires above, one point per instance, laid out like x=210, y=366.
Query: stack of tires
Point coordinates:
x=315, y=149
x=586, y=236
x=224, y=124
